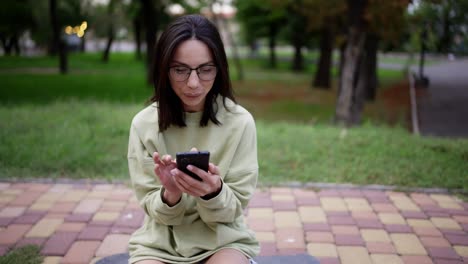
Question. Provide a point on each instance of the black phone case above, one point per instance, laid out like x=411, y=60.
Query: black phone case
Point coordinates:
x=199, y=159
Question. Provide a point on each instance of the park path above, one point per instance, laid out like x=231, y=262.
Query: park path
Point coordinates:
x=82, y=222
x=443, y=106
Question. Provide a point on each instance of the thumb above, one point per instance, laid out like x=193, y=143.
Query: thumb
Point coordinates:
x=213, y=169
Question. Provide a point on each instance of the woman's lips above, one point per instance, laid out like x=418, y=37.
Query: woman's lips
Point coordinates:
x=193, y=95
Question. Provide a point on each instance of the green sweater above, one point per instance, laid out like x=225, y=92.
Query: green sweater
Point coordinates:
x=194, y=228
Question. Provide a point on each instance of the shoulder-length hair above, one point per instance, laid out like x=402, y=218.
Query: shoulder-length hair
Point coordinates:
x=171, y=111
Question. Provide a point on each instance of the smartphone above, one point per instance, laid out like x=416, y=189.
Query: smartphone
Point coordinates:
x=199, y=159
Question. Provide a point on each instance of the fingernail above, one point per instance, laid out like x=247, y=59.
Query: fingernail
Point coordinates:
x=173, y=172
x=190, y=167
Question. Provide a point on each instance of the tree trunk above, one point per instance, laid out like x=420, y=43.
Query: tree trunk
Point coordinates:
x=6, y=43
x=323, y=74
x=53, y=48
x=341, y=64
x=110, y=39
x=235, y=52
x=63, y=57
x=348, y=108
x=444, y=43
x=298, y=62
x=370, y=67
x=58, y=42
x=151, y=26
x=221, y=22
x=83, y=44
x=110, y=31
x=137, y=29
x=15, y=44
x=272, y=44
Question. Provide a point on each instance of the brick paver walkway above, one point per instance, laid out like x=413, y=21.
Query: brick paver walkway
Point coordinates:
x=81, y=223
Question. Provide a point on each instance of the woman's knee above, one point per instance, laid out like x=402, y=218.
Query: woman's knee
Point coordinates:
x=228, y=256
x=149, y=261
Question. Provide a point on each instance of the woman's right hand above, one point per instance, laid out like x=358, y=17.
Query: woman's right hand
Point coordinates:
x=162, y=168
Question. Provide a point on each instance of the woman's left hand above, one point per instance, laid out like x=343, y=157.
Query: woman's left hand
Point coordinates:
x=211, y=181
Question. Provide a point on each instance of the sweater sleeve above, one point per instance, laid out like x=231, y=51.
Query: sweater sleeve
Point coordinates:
x=238, y=184
x=145, y=183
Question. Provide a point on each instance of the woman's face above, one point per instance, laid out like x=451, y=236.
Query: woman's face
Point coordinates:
x=192, y=54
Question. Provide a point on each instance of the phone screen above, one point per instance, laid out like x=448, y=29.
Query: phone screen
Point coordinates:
x=199, y=159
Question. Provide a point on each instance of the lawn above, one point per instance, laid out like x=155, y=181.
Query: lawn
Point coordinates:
x=76, y=126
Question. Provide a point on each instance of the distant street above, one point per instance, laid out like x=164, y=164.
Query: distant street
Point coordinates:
x=443, y=108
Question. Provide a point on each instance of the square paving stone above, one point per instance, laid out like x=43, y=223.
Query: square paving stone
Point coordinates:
x=268, y=249
x=316, y=227
x=290, y=238
x=94, y=233
x=386, y=258
x=398, y=228
x=82, y=218
x=429, y=241
x=461, y=250
x=29, y=218
x=319, y=237
x=13, y=233
x=354, y=255
x=81, y=252
x=59, y=243
x=461, y=240
x=408, y=244
x=113, y=244
x=322, y=250
x=443, y=252
x=417, y=259
x=380, y=248
x=30, y=241
x=328, y=260
x=349, y=240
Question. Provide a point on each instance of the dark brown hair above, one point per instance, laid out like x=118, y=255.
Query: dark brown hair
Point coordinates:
x=171, y=111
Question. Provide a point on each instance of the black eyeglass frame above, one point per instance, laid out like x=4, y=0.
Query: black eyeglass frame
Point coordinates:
x=197, y=70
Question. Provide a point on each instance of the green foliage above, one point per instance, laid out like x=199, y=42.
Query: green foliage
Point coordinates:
x=29, y=254
x=15, y=17
x=445, y=22
x=257, y=17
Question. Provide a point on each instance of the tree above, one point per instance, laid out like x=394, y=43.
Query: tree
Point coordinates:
x=326, y=18
x=358, y=62
x=150, y=18
x=111, y=6
x=262, y=19
x=58, y=42
x=15, y=18
x=445, y=19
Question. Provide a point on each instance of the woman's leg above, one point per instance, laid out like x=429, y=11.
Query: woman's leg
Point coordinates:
x=228, y=256
x=149, y=261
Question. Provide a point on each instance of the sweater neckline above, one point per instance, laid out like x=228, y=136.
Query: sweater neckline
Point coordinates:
x=193, y=117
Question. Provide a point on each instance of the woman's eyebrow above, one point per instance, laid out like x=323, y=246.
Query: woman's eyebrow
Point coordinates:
x=183, y=64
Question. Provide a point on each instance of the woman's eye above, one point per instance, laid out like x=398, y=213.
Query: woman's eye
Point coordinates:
x=181, y=70
x=206, y=69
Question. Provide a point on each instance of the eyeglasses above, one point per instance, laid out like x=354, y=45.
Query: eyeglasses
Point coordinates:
x=182, y=73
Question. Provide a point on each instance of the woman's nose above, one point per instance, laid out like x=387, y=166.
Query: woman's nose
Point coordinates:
x=193, y=79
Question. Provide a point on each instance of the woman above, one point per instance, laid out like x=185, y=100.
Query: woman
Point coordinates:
x=191, y=221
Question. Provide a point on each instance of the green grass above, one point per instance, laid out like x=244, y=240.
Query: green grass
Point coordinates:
x=29, y=254
x=76, y=126
x=88, y=139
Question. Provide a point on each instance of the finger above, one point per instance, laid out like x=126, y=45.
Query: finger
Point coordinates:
x=189, y=184
x=185, y=186
x=156, y=157
x=201, y=173
x=213, y=169
x=194, y=149
x=166, y=160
